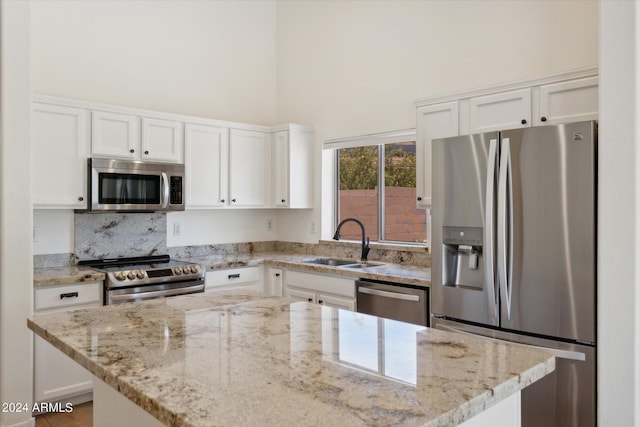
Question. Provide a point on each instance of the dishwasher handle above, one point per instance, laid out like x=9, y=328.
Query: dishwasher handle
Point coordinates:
x=387, y=294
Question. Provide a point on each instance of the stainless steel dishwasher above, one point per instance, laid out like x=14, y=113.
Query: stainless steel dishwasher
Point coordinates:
x=393, y=301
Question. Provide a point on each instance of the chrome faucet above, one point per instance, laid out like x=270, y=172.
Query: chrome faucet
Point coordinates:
x=365, y=246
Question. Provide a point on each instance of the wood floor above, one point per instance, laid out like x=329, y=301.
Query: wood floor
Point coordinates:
x=81, y=416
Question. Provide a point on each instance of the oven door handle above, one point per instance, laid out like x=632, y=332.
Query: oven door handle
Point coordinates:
x=115, y=299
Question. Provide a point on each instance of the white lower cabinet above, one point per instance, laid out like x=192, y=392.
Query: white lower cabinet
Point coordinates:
x=323, y=289
x=274, y=281
x=56, y=376
x=244, y=278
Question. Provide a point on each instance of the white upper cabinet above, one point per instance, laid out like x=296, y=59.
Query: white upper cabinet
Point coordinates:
x=292, y=168
x=562, y=98
x=162, y=140
x=206, y=166
x=125, y=136
x=433, y=121
x=570, y=101
x=227, y=164
x=60, y=138
x=115, y=135
x=505, y=110
x=249, y=168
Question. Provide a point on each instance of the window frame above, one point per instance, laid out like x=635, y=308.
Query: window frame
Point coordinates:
x=380, y=140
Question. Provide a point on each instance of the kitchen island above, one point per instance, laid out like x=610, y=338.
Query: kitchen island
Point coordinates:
x=227, y=359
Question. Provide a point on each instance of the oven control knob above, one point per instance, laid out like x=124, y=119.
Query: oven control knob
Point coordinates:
x=140, y=274
x=131, y=275
x=178, y=270
x=195, y=269
x=119, y=276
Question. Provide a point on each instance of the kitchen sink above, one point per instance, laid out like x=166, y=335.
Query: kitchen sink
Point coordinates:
x=329, y=261
x=334, y=262
x=362, y=265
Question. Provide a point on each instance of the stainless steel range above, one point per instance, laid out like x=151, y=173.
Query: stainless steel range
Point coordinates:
x=144, y=278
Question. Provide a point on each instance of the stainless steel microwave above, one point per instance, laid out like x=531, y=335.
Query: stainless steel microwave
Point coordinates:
x=135, y=186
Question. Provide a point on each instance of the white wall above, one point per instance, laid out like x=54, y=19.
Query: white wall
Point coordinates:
x=16, y=261
x=356, y=67
x=206, y=58
x=346, y=68
x=619, y=216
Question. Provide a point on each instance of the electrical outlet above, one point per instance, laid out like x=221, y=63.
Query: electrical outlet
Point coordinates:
x=177, y=229
x=269, y=225
x=35, y=238
x=313, y=227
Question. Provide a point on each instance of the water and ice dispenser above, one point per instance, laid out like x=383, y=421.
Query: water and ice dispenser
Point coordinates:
x=462, y=257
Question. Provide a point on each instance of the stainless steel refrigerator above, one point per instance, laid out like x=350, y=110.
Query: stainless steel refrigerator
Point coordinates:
x=514, y=254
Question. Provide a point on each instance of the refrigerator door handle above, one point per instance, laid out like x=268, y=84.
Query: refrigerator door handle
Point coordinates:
x=489, y=243
x=505, y=235
x=562, y=354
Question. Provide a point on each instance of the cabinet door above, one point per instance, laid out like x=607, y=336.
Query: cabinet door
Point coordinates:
x=300, y=294
x=162, y=140
x=115, y=135
x=206, y=166
x=571, y=101
x=56, y=375
x=60, y=138
x=301, y=146
x=275, y=281
x=432, y=122
x=249, y=168
x=337, y=302
x=505, y=110
x=282, y=164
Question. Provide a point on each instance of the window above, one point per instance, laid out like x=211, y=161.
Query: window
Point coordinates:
x=377, y=185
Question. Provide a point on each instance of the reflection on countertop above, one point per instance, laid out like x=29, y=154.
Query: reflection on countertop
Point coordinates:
x=230, y=359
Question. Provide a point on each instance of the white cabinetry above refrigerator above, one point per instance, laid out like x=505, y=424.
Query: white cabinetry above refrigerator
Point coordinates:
x=557, y=99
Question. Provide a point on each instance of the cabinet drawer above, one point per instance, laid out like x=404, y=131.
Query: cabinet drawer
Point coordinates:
x=320, y=283
x=68, y=296
x=236, y=276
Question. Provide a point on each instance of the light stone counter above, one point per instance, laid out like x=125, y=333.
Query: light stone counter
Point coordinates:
x=231, y=360
x=65, y=275
x=398, y=273
x=405, y=274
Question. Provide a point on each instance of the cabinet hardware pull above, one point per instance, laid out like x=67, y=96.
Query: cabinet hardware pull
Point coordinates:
x=283, y=200
x=524, y=122
x=321, y=301
x=80, y=198
x=234, y=276
x=221, y=200
x=543, y=119
x=419, y=198
x=146, y=151
x=132, y=151
x=69, y=295
x=233, y=200
x=310, y=299
x=277, y=274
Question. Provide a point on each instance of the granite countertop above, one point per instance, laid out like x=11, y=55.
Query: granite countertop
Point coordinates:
x=399, y=273
x=65, y=275
x=227, y=359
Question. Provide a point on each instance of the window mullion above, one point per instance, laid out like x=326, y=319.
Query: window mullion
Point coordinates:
x=381, y=167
